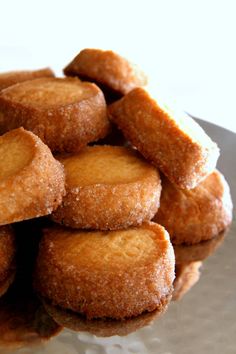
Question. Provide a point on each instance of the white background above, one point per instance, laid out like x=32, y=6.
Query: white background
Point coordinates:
x=188, y=48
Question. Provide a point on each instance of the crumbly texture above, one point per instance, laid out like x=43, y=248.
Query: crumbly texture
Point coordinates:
x=108, y=69
x=198, y=251
x=14, y=77
x=174, y=143
x=186, y=276
x=116, y=274
x=65, y=113
x=108, y=188
x=105, y=327
x=32, y=182
x=7, y=257
x=196, y=215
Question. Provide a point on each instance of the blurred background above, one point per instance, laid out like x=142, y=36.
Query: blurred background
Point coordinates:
x=187, y=47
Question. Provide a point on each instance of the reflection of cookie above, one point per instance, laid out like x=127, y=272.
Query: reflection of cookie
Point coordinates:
x=108, y=188
x=31, y=180
x=197, y=215
x=65, y=113
x=198, y=251
x=116, y=274
x=109, y=70
x=23, y=320
x=176, y=144
x=104, y=327
x=7, y=258
x=14, y=77
x=186, y=276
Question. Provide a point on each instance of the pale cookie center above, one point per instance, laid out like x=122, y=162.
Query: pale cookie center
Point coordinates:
x=14, y=156
x=114, y=249
x=49, y=94
x=92, y=167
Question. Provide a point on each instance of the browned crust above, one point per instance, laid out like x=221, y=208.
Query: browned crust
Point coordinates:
x=111, y=206
x=198, y=251
x=7, y=257
x=197, y=215
x=116, y=291
x=184, y=159
x=37, y=189
x=65, y=127
x=108, y=69
x=105, y=327
x=13, y=77
x=186, y=276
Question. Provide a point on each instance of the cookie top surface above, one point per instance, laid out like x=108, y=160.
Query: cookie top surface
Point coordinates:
x=49, y=92
x=106, y=250
x=105, y=165
x=16, y=152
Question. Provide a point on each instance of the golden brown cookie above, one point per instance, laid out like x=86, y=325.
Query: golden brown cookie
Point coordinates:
x=116, y=274
x=108, y=188
x=186, y=276
x=198, y=214
x=65, y=113
x=14, y=77
x=31, y=180
x=174, y=143
x=114, y=74
x=7, y=257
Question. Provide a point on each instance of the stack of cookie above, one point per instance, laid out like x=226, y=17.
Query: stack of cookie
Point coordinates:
x=108, y=252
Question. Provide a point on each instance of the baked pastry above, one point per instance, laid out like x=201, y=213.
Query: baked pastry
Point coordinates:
x=108, y=188
x=65, y=113
x=31, y=180
x=7, y=258
x=198, y=251
x=196, y=215
x=104, y=327
x=174, y=143
x=116, y=274
x=14, y=77
x=115, y=75
x=186, y=276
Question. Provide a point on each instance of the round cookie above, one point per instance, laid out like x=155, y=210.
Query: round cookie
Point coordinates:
x=65, y=113
x=7, y=258
x=108, y=188
x=114, y=74
x=116, y=274
x=32, y=182
x=196, y=215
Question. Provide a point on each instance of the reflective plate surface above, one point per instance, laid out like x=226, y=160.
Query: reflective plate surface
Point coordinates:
x=202, y=322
